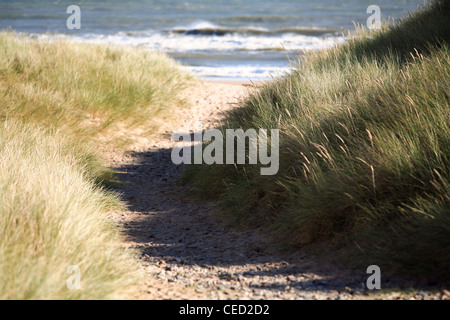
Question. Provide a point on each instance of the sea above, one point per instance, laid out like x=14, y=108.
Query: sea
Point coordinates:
x=235, y=40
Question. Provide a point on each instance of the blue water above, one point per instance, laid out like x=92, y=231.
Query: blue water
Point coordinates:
x=216, y=39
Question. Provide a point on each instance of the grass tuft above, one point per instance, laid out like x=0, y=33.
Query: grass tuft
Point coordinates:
x=61, y=103
x=364, y=150
x=52, y=216
x=84, y=89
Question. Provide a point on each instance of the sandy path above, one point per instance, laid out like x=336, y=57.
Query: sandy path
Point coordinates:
x=187, y=250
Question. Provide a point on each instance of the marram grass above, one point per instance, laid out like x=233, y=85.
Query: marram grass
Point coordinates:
x=52, y=216
x=60, y=102
x=86, y=89
x=364, y=150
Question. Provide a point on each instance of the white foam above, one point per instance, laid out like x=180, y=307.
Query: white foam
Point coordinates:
x=198, y=25
x=230, y=42
x=237, y=72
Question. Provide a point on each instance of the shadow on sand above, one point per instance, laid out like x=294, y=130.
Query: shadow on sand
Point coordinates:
x=166, y=225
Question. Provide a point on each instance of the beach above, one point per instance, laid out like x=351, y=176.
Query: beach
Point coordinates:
x=96, y=204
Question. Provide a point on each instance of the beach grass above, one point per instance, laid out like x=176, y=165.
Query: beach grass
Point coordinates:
x=364, y=151
x=86, y=89
x=53, y=216
x=60, y=103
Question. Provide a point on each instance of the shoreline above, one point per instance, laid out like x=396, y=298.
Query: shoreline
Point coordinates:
x=245, y=83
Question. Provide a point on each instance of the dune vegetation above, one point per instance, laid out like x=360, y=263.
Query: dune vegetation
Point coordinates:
x=60, y=102
x=85, y=89
x=364, y=151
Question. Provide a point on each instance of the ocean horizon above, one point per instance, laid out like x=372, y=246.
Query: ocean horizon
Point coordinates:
x=216, y=40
